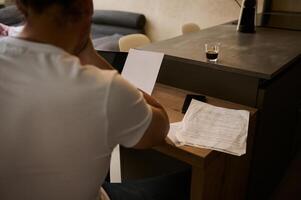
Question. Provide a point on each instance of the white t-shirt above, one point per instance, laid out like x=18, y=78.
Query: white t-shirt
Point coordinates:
x=60, y=122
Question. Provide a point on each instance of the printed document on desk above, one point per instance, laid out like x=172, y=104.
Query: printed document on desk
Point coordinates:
x=142, y=68
x=212, y=127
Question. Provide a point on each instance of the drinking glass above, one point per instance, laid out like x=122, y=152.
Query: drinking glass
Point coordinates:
x=212, y=50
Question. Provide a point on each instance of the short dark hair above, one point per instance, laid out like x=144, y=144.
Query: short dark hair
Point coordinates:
x=71, y=9
x=41, y=5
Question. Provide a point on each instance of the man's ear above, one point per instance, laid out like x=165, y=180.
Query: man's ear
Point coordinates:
x=22, y=8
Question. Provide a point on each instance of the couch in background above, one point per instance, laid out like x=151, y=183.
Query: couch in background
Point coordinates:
x=11, y=16
x=107, y=25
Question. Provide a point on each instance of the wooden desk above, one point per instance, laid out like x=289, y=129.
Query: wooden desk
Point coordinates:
x=215, y=175
x=260, y=70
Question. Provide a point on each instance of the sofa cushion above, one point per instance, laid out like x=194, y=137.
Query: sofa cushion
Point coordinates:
x=10, y=15
x=119, y=18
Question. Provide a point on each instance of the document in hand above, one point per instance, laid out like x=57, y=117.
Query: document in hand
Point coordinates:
x=212, y=127
x=142, y=68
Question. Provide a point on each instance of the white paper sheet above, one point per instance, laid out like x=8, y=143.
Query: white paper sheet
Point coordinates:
x=141, y=69
x=212, y=127
x=174, y=133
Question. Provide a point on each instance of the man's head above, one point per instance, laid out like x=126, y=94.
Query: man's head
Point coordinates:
x=65, y=8
x=57, y=20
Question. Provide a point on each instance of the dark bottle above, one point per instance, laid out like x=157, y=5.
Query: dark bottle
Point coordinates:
x=246, y=22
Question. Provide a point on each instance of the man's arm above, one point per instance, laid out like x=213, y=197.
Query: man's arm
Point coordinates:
x=88, y=56
x=158, y=128
x=135, y=119
x=4, y=30
x=159, y=125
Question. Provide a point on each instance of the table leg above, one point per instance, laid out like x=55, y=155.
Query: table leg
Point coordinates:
x=207, y=180
x=197, y=184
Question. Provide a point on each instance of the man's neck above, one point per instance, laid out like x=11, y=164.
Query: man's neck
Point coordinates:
x=51, y=34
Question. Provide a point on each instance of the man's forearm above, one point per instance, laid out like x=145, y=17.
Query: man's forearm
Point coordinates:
x=97, y=61
x=100, y=62
x=88, y=56
x=150, y=100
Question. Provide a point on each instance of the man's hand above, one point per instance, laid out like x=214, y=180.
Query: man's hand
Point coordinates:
x=85, y=51
x=88, y=56
x=4, y=30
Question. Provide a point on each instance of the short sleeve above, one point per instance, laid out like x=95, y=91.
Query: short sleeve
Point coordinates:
x=128, y=114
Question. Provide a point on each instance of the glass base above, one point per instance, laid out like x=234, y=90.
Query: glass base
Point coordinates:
x=212, y=60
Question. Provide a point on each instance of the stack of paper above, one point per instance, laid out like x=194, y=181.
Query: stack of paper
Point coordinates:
x=212, y=127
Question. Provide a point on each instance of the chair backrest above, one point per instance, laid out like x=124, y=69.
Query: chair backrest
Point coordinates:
x=132, y=41
x=190, y=27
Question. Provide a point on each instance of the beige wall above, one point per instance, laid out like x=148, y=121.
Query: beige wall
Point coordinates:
x=165, y=17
